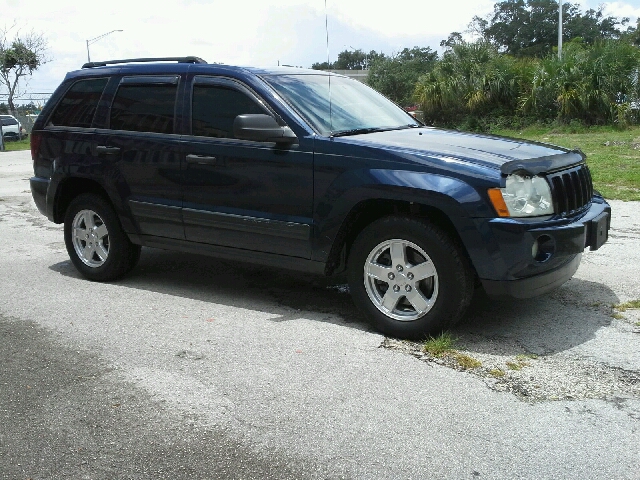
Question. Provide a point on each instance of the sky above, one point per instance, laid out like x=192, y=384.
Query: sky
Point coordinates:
x=245, y=32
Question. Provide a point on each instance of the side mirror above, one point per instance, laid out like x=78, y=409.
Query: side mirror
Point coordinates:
x=261, y=128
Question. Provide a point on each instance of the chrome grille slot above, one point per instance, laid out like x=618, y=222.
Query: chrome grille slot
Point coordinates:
x=571, y=189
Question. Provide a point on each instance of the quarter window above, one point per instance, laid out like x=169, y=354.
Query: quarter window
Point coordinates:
x=215, y=107
x=144, y=108
x=78, y=106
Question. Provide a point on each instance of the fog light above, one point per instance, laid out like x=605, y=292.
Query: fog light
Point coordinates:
x=543, y=248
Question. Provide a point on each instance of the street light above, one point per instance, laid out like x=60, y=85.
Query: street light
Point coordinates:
x=94, y=40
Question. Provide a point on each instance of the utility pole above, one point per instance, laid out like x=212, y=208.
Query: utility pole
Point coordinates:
x=559, y=29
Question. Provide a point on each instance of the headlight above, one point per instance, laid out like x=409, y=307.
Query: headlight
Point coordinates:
x=522, y=197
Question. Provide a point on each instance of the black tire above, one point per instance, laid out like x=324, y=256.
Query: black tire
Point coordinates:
x=99, y=249
x=442, y=286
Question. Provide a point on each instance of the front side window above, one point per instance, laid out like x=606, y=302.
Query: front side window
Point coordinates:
x=215, y=107
x=144, y=108
x=78, y=106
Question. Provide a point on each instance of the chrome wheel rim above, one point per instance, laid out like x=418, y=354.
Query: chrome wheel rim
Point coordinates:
x=401, y=280
x=90, y=238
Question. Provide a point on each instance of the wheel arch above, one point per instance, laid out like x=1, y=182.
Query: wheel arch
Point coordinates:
x=70, y=188
x=368, y=211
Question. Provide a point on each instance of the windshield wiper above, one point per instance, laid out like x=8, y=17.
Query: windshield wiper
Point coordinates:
x=358, y=131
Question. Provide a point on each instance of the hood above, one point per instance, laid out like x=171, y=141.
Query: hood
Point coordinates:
x=506, y=154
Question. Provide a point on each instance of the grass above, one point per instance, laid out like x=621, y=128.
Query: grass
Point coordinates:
x=633, y=304
x=438, y=346
x=613, y=155
x=467, y=362
x=515, y=365
x=497, y=372
x=443, y=345
x=12, y=146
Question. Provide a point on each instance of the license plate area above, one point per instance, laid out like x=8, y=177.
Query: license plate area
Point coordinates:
x=598, y=229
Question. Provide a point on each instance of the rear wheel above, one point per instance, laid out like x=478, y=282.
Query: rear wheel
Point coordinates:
x=98, y=247
x=409, y=277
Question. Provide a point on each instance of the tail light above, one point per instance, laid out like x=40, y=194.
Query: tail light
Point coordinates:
x=36, y=138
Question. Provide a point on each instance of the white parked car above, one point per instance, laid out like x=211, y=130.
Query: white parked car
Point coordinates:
x=11, y=128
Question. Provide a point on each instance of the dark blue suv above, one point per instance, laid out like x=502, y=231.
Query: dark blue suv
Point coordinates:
x=309, y=171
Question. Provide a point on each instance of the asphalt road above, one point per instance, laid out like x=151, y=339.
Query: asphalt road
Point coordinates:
x=197, y=368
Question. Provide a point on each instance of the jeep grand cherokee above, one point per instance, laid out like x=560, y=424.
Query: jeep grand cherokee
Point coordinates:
x=311, y=171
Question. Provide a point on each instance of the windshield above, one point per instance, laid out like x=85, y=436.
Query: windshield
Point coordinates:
x=346, y=107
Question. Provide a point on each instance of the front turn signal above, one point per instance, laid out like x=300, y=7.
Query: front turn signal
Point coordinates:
x=495, y=195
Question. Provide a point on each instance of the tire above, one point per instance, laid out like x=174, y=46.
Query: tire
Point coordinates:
x=409, y=277
x=98, y=247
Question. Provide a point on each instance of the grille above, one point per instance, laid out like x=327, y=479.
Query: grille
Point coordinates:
x=571, y=189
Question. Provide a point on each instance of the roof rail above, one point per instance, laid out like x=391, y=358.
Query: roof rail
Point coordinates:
x=145, y=60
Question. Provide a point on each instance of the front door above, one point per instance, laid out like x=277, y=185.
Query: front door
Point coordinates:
x=249, y=195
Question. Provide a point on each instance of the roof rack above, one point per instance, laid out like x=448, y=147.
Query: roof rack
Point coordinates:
x=145, y=60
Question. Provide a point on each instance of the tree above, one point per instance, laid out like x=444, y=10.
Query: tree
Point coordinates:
x=529, y=28
x=396, y=76
x=19, y=57
x=350, y=60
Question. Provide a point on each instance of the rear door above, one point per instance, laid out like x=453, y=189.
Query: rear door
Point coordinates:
x=143, y=152
x=237, y=193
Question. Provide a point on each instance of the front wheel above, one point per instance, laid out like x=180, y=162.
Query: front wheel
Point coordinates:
x=409, y=277
x=98, y=247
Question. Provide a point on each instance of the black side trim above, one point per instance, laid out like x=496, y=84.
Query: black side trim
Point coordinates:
x=150, y=80
x=260, y=226
x=536, y=166
x=154, y=210
x=236, y=254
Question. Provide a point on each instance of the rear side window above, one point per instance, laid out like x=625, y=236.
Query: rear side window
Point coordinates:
x=144, y=108
x=216, y=107
x=78, y=106
x=6, y=121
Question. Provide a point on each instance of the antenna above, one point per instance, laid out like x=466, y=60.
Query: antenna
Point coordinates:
x=326, y=27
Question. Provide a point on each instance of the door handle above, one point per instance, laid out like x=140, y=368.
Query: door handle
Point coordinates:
x=105, y=150
x=201, y=159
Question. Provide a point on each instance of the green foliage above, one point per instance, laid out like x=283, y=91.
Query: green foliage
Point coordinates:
x=397, y=76
x=474, y=86
x=438, y=346
x=14, y=145
x=529, y=28
x=623, y=307
x=471, y=81
x=350, y=60
x=19, y=57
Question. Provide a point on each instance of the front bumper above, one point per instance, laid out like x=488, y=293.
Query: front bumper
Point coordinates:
x=529, y=258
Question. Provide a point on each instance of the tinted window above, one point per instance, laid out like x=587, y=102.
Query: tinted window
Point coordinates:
x=77, y=107
x=144, y=108
x=216, y=107
x=6, y=121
